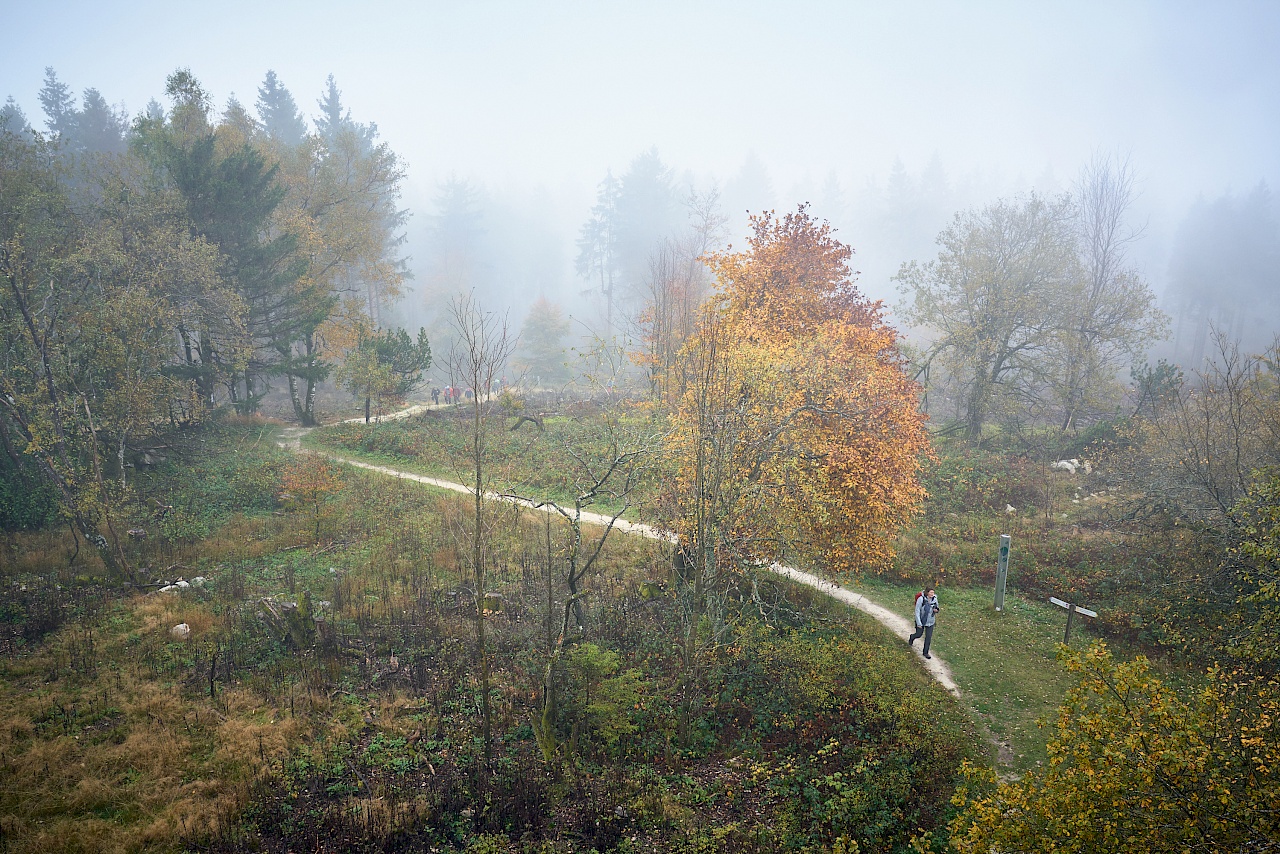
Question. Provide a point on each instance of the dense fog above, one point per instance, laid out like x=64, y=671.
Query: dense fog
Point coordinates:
x=531, y=135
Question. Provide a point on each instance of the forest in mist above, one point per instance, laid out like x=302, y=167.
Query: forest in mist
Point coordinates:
x=510, y=428
x=589, y=249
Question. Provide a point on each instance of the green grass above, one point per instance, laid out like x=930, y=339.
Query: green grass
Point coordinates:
x=557, y=464
x=1005, y=664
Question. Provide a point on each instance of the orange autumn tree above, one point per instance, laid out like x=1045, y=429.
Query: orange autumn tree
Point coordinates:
x=798, y=434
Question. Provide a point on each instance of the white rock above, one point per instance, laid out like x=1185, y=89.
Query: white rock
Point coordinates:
x=181, y=631
x=198, y=581
x=182, y=585
x=168, y=588
x=1009, y=510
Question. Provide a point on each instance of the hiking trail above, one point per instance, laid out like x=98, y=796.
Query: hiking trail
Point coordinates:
x=291, y=438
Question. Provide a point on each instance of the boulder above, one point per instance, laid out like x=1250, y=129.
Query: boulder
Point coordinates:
x=181, y=631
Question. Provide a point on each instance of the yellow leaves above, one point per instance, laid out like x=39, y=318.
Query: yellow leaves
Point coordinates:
x=800, y=413
x=341, y=209
x=1135, y=760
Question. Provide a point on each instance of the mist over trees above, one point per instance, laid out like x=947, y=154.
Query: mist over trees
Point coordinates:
x=95, y=127
x=632, y=216
x=1033, y=307
x=179, y=282
x=1224, y=273
x=632, y=270
x=541, y=354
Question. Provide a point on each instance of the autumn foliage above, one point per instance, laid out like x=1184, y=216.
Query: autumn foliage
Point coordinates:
x=798, y=432
x=1136, y=765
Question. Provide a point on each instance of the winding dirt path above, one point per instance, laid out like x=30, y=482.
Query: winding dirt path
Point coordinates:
x=291, y=438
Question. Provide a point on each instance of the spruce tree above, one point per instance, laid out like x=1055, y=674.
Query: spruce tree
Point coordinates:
x=332, y=115
x=99, y=128
x=278, y=113
x=58, y=104
x=13, y=120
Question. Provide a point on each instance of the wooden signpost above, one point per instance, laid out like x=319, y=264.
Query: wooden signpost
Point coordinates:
x=1072, y=610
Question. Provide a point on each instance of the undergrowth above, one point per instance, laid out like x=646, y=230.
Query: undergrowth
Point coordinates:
x=321, y=693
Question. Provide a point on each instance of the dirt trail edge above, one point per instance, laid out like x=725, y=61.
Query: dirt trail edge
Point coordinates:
x=900, y=626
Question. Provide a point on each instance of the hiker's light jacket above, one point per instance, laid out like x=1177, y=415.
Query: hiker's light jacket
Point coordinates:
x=924, y=610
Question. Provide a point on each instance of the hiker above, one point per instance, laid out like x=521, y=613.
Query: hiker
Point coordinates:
x=435, y=396
x=926, y=611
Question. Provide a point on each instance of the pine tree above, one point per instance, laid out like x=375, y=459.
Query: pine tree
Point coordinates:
x=13, y=120
x=59, y=107
x=237, y=126
x=542, y=351
x=648, y=211
x=231, y=197
x=278, y=113
x=598, y=242
x=332, y=115
x=336, y=120
x=99, y=128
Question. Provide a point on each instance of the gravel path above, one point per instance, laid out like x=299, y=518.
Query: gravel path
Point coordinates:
x=291, y=437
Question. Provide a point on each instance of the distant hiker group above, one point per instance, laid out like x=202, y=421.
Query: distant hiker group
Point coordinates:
x=451, y=395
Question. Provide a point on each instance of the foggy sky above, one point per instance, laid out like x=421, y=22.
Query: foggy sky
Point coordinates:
x=550, y=94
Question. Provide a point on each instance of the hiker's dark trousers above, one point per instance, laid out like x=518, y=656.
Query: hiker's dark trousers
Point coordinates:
x=927, y=633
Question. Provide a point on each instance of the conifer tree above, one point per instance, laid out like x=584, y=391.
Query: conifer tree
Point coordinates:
x=99, y=128
x=58, y=104
x=333, y=117
x=279, y=113
x=13, y=120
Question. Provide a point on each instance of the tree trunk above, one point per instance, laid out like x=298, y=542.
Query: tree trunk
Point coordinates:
x=477, y=556
x=250, y=402
x=298, y=411
x=206, y=370
x=309, y=405
x=976, y=408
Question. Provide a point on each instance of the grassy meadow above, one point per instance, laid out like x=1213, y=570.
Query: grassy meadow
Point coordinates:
x=324, y=693
x=1006, y=664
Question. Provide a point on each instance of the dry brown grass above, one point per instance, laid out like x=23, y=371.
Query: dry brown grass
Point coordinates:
x=167, y=760
x=160, y=612
x=39, y=552
x=159, y=765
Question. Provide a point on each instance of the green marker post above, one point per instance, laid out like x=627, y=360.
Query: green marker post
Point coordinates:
x=1002, y=571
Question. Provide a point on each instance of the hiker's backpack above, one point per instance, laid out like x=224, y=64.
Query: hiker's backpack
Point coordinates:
x=915, y=606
